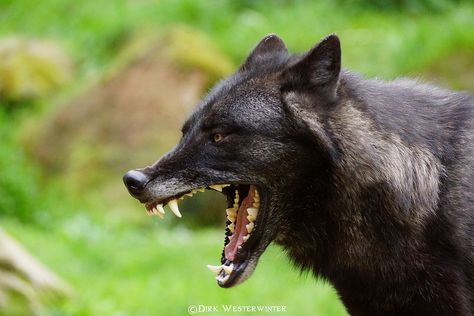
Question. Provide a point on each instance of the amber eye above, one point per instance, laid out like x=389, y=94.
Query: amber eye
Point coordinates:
x=217, y=137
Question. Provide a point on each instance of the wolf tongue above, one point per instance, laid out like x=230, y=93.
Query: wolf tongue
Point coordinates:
x=240, y=231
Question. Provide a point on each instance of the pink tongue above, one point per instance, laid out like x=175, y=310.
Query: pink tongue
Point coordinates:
x=240, y=230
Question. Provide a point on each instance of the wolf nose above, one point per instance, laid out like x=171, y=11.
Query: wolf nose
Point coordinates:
x=135, y=181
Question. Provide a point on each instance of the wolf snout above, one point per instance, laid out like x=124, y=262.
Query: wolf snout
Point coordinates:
x=135, y=181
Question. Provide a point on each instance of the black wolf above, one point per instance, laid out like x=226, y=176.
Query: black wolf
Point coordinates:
x=368, y=184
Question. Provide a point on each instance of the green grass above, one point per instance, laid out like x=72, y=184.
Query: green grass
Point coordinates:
x=119, y=269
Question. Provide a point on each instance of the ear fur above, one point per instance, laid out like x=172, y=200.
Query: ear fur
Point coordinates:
x=269, y=45
x=319, y=68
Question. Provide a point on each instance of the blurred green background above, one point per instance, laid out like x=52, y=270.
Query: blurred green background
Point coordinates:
x=90, y=89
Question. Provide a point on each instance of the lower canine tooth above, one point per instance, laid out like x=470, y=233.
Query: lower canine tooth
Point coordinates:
x=174, y=207
x=215, y=269
x=249, y=227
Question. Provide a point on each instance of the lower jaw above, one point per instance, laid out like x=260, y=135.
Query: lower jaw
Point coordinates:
x=241, y=238
x=229, y=280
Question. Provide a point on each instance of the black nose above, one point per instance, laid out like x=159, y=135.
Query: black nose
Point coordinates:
x=135, y=181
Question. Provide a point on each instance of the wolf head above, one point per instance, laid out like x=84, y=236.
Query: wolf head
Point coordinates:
x=249, y=140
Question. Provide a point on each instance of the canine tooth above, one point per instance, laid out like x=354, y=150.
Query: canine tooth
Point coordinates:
x=190, y=194
x=215, y=269
x=231, y=227
x=217, y=187
x=256, y=196
x=174, y=207
x=160, y=209
x=251, y=218
x=228, y=269
x=250, y=227
x=201, y=189
x=225, y=185
x=246, y=237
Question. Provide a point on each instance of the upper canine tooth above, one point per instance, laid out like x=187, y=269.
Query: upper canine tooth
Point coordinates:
x=250, y=227
x=215, y=269
x=217, y=187
x=228, y=269
x=174, y=207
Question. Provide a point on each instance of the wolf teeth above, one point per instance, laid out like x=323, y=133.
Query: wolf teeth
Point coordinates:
x=215, y=269
x=160, y=209
x=236, y=199
x=253, y=212
x=156, y=211
x=231, y=214
x=223, y=279
x=249, y=227
x=228, y=269
x=174, y=208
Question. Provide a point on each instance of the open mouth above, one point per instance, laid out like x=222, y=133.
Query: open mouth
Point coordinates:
x=241, y=233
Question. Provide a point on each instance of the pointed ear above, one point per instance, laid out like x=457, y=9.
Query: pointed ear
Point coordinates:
x=318, y=68
x=269, y=45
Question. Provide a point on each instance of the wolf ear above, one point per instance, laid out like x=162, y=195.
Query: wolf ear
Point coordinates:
x=318, y=68
x=269, y=45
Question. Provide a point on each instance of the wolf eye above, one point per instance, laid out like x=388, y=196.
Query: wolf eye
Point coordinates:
x=217, y=137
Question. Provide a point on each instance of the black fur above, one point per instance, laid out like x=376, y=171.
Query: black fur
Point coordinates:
x=368, y=184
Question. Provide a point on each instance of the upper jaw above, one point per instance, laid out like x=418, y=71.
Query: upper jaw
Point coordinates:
x=155, y=206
